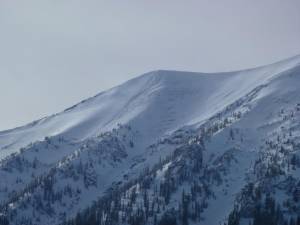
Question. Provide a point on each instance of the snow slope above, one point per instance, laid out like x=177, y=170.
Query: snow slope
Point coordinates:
x=213, y=133
x=153, y=103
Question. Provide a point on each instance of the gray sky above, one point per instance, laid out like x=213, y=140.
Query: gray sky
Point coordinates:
x=54, y=53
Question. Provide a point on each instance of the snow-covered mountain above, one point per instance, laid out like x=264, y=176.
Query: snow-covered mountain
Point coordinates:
x=166, y=147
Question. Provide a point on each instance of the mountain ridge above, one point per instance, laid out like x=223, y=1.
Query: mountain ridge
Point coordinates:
x=154, y=79
x=199, y=149
x=158, y=72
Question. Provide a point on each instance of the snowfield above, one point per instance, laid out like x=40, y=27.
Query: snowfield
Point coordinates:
x=193, y=143
x=153, y=101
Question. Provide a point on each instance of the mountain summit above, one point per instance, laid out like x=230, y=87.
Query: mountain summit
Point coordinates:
x=167, y=147
x=157, y=102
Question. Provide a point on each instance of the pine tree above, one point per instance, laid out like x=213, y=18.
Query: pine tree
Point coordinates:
x=234, y=218
x=184, y=209
x=298, y=220
x=292, y=221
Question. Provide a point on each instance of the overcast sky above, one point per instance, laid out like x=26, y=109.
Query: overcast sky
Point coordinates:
x=54, y=53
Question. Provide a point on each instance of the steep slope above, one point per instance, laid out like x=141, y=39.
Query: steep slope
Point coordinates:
x=159, y=95
x=188, y=144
